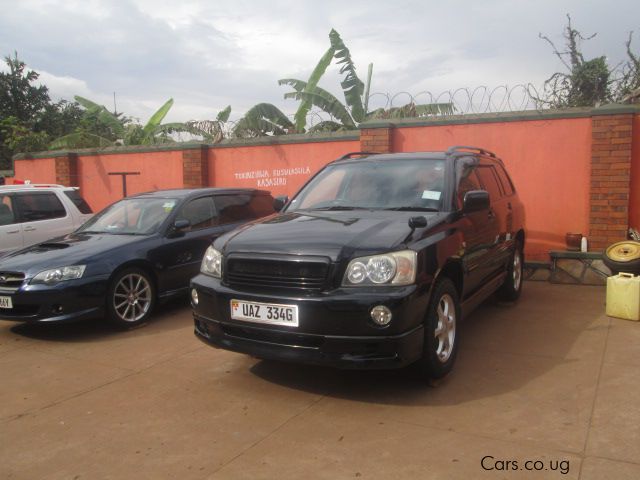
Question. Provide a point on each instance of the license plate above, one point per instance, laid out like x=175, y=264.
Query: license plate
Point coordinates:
x=5, y=302
x=270, y=313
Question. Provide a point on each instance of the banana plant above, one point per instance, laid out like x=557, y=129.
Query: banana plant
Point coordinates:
x=122, y=131
x=263, y=119
x=212, y=130
x=355, y=109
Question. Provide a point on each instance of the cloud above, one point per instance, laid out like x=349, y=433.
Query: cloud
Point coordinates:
x=207, y=55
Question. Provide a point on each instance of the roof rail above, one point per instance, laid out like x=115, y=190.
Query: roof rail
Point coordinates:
x=346, y=156
x=462, y=148
x=31, y=185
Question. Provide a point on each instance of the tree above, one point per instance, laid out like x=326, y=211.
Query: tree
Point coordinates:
x=18, y=97
x=28, y=118
x=591, y=82
x=628, y=86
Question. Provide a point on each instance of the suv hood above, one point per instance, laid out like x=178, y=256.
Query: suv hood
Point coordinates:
x=329, y=234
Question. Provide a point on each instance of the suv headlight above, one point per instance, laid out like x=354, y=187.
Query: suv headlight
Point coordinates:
x=395, y=268
x=212, y=263
x=57, y=275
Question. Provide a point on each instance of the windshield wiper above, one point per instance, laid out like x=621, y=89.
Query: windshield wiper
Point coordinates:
x=340, y=207
x=410, y=208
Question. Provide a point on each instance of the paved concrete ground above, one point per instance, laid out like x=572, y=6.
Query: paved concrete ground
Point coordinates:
x=550, y=380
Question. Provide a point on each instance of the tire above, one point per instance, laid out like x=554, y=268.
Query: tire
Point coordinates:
x=130, y=298
x=441, y=336
x=512, y=287
x=623, y=257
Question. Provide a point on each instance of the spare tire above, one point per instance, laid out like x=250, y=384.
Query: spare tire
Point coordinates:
x=623, y=257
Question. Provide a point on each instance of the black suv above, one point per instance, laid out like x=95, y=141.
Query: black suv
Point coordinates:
x=371, y=265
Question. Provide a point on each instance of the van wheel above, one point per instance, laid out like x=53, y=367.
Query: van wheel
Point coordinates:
x=512, y=286
x=441, y=336
x=131, y=298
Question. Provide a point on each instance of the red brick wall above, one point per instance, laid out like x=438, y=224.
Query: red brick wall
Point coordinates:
x=634, y=194
x=378, y=140
x=67, y=170
x=611, y=144
x=195, y=168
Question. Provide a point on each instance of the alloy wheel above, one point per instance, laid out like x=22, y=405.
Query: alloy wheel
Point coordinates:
x=517, y=270
x=132, y=297
x=445, y=332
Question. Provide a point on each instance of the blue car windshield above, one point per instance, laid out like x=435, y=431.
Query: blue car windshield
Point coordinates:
x=409, y=184
x=131, y=216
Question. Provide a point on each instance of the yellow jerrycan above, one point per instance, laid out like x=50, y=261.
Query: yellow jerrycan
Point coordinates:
x=623, y=296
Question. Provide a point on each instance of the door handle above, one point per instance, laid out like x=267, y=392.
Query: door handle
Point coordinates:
x=13, y=231
x=29, y=229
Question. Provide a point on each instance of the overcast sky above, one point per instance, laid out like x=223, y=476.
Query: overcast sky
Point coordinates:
x=210, y=54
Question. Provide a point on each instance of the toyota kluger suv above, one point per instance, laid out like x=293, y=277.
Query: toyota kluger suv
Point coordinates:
x=372, y=264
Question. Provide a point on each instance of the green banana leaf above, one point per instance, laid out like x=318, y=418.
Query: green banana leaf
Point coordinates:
x=223, y=116
x=304, y=107
x=263, y=119
x=156, y=118
x=327, y=103
x=80, y=140
x=351, y=85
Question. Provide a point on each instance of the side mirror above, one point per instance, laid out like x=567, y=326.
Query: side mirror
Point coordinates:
x=417, y=222
x=179, y=227
x=476, y=200
x=280, y=202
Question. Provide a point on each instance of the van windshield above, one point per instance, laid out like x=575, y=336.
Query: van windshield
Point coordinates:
x=375, y=185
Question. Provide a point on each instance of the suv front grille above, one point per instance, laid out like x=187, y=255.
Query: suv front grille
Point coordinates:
x=10, y=281
x=308, y=275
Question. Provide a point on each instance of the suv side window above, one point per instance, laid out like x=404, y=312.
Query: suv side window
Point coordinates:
x=261, y=206
x=490, y=182
x=233, y=208
x=200, y=212
x=39, y=206
x=505, y=181
x=468, y=181
x=7, y=211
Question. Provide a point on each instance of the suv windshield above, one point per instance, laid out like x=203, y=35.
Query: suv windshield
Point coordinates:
x=375, y=185
x=131, y=216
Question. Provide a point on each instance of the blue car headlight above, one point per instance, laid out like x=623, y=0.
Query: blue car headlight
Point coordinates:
x=60, y=274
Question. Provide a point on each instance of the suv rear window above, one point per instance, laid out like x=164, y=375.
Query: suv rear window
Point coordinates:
x=78, y=201
x=505, y=181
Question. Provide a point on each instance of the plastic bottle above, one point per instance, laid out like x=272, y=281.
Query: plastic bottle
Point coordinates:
x=583, y=244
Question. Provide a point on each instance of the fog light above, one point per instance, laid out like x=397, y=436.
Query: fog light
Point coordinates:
x=194, y=297
x=381, y=315
x=57, y=309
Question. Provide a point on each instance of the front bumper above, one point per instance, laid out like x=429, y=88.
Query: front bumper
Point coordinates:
x=68, y=301
x=335, y=328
